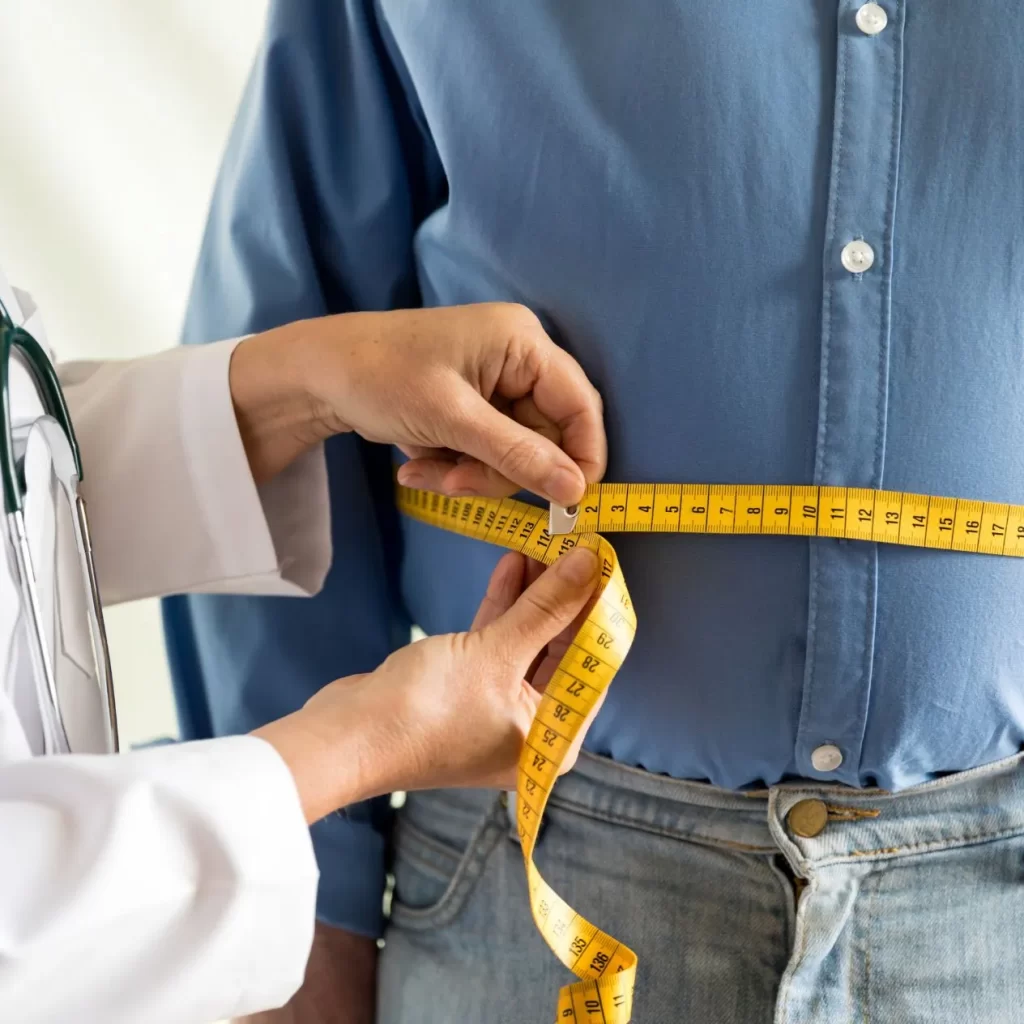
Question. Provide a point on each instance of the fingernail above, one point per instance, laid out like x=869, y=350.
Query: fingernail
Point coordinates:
x=578, y=567
x=565, y=486
x=409, y=478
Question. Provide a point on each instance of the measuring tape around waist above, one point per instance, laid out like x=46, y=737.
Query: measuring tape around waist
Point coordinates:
x=846, y=513
x=607, y=968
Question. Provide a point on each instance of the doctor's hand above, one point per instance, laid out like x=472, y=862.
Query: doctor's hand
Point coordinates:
x=479, y=397
x=449, y=710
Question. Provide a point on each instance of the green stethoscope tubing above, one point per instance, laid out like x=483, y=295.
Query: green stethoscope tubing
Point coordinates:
x=47, y=384
x=33, y=356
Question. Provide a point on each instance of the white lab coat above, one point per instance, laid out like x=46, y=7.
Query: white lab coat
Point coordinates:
x=175, y=884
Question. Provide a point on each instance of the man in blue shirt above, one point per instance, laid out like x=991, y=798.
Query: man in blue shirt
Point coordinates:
x=785, y=242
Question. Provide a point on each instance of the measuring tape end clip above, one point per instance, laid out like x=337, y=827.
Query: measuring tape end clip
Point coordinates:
x=562, y=518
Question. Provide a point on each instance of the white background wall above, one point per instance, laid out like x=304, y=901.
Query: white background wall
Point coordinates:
x=113, y=117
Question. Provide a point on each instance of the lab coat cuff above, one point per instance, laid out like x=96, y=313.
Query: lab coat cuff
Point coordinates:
x=275, y=538
x=351, y=856
x=275, y=926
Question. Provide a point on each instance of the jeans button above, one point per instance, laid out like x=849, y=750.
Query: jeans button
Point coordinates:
x=807, y=818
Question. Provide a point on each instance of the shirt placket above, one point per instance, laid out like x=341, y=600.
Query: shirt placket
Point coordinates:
x=850, y=448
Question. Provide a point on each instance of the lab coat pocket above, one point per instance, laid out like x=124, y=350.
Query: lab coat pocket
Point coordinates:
x=443, y=840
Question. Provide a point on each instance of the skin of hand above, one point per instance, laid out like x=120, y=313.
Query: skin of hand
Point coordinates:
x=446, y=711
x=450, y=710
x=479, y=397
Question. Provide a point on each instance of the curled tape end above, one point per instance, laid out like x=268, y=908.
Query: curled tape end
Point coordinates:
x=562, y=519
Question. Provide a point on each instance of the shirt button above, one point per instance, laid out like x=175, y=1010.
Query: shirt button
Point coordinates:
x=857, y=256
x=807, y=818
x=871, y=19
x=826, y=758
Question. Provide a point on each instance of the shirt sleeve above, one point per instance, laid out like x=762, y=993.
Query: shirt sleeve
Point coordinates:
x=172, y=502
x=167, y=885
x=328, y=172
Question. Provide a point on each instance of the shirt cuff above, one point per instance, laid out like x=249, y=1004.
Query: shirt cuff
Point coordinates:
x=275, y=538
x=180, y=883
x=173, y=504
x=244, y=796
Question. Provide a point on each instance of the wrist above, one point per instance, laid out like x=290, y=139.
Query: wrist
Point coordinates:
x=273, y=381
x=329, y=747
x=287, y=737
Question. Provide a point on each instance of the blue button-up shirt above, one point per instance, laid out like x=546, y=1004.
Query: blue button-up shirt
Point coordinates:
x=670, y=186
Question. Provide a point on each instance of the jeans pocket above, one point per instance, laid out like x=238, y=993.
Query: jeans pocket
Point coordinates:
x=442, y=842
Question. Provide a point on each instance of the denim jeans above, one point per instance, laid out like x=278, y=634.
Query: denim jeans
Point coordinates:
x=902, y=908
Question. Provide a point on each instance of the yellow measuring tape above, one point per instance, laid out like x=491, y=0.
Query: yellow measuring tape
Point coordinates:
x=607, y=968
x=848, y=513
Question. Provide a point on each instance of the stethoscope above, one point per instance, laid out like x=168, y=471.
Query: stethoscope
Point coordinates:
x=60, y=620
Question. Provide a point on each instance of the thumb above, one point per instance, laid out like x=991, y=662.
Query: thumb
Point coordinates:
x=547, y=606
x=518, y=453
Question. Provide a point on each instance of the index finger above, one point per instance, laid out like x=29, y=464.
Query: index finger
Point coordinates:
x=563, y=394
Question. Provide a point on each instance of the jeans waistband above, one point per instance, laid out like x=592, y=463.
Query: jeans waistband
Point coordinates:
x=979, y=805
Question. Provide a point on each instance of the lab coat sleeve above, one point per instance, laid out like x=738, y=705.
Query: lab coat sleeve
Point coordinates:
x=171, y=885
x=172, y=504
